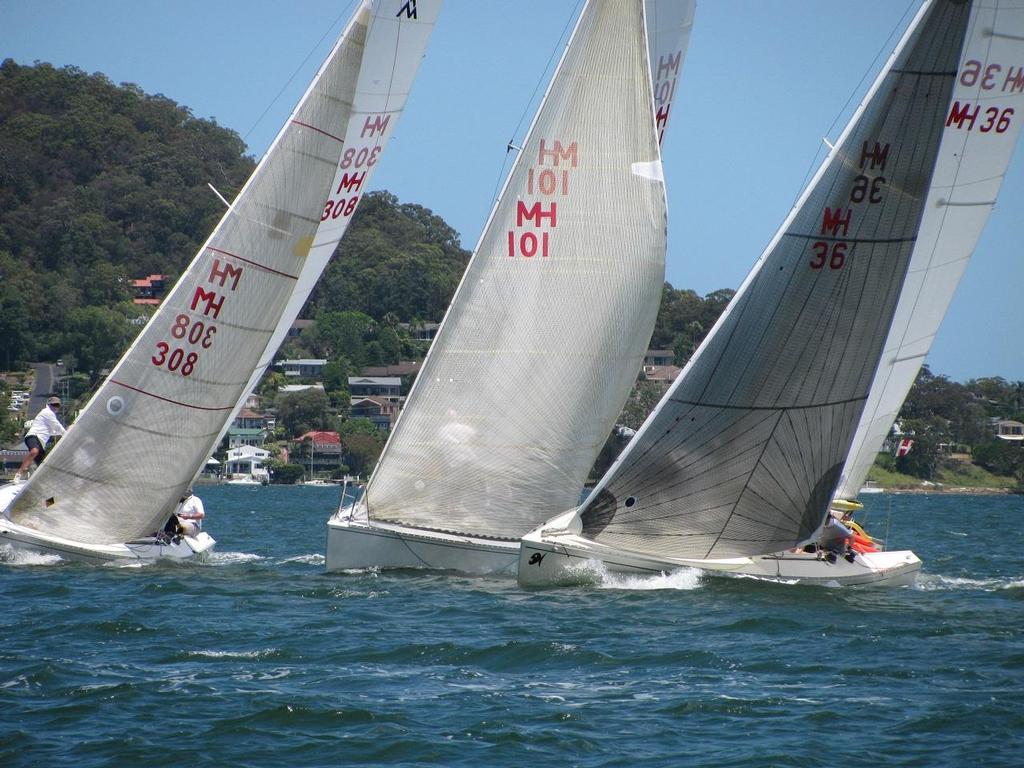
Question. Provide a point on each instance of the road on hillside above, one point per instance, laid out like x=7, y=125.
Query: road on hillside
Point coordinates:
x=46, y=385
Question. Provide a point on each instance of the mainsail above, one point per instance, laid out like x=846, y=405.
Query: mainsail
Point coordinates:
x=977, y=143
x=146, y=432
x=548, y=327
x=744, y=452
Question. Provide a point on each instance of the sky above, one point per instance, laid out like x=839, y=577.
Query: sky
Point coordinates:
x=763, y=84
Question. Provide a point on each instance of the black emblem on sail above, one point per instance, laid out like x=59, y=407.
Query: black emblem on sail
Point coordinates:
x=409, y=9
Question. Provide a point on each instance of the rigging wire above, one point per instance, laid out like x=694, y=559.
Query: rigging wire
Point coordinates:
x=345, y=13
x=529, y=109
x=883, y=51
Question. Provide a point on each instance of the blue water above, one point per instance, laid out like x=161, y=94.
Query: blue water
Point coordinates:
x=259, y=658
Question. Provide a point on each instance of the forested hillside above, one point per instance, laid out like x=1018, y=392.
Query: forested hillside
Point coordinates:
x=102, y=183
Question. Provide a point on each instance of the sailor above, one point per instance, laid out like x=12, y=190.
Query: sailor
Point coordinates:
x=191, y=513
x=44, y=426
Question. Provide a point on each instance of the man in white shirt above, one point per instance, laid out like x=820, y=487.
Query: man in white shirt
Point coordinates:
x=44, y=426
x=190, y=514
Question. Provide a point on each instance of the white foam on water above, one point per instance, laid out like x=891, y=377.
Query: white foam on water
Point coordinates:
x=310, y=559
x=14, y=556
x=211, y=654
x=683, y=579
x=233, y=558
x=932, y=582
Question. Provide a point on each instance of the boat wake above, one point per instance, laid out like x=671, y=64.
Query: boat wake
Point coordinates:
x=12, y=556
x=310, y=559
x=937, y=583
x=681, y=579
x=232, y=558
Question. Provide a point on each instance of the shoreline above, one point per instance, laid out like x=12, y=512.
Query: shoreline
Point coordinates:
x=954, y=490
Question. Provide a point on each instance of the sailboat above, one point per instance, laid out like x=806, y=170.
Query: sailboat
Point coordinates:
x=117, y=475
x=734, y=471
x=547, y=329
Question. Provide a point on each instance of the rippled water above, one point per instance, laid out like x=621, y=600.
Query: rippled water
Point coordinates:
x=259, y=658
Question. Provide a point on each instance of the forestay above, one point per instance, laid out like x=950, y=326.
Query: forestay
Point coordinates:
x=119, y=472
x=977, y=143
x=548, y=327
x=742, y=455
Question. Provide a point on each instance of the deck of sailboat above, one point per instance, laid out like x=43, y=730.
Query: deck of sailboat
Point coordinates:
x=565, y=558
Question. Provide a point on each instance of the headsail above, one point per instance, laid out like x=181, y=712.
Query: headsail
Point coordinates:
x=977, y=143
x=669, y=23
x=547, y=329
x=395, y=45
x=743, y=453
x=146, y=432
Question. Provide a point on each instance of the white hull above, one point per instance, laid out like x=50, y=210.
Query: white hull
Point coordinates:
x=354, y=545
x=562, y=558
x=143, y=550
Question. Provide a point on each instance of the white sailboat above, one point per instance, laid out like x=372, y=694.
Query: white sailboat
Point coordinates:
x=117, y=475
x=547, y=329
x=737, y=465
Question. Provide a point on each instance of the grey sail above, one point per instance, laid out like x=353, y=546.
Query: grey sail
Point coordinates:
x=547, y=329
x=743, y=454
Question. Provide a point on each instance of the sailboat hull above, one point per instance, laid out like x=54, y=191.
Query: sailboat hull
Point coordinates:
x=567, y=559
x=357, y=545
x=149, y=549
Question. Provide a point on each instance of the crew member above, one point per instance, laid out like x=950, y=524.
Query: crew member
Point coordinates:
x=44, y=426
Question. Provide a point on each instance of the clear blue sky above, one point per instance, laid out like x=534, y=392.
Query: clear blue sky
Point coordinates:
x=762, y=83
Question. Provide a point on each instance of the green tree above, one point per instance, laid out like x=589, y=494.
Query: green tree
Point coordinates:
x=301, y=412
x=282, y=473
x=97, y=336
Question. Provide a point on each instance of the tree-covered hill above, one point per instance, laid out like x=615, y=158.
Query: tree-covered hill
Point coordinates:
x=99, y=183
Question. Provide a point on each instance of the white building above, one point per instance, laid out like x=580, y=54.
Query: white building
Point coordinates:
x=247, y=460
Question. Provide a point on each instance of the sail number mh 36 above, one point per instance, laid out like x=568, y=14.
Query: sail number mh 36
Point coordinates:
x=868, y=187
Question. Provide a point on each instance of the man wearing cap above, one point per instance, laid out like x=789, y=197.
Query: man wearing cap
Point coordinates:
x=44, y=426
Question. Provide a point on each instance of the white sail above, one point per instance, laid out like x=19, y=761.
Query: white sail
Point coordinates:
x=973, y=156
x=744, y=452
x=547, y=329
x=396, y=43
x=669, y=23
x=146, y=432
